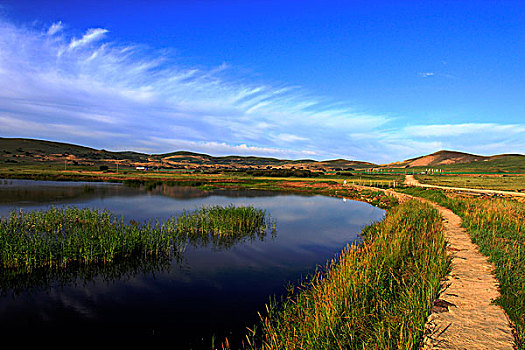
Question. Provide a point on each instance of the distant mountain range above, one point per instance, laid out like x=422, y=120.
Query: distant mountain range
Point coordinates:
x=22, y=151
x=29, y=151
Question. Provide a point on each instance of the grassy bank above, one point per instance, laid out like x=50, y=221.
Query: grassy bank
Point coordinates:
x=375, y=295
x=497, y=226
x=58, y=237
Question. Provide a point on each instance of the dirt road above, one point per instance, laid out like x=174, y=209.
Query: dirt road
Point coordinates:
x=411, y=181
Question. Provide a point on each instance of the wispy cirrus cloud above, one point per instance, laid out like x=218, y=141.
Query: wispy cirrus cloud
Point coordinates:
x=453, y=130
x=90, y=83
x=91, y=90
x=426, y=74
x=91, y=35
x=243, y=149
x=54, y=28
x=289, y=137
x=482, y=138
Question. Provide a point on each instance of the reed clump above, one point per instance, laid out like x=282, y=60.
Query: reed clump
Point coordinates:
x=220, y=226
x=497, y=226
x=376, y=295
x=58, y=237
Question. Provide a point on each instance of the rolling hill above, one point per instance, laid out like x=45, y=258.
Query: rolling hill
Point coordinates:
x=460, y=161
x=32, y=152
x=26, y=152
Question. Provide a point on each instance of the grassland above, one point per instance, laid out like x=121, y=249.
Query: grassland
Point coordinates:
x=493, y=182
x=58, y=237
x=374, y=295
x=497, y=226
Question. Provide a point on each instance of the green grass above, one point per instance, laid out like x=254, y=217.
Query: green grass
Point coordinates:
x=376, y=295
x=510, y=163
x=377, y=176
x=502, y=182
x=497, y=226
x=59, y=237
x=223, y=227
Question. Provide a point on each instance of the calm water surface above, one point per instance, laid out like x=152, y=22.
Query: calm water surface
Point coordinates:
x=203, y=293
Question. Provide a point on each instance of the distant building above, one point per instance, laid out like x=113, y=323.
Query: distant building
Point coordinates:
x=141, y=168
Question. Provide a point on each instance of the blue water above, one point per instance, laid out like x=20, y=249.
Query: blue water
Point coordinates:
x=205, y=292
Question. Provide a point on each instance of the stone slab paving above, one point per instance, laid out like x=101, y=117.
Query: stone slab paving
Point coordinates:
x=464, y=315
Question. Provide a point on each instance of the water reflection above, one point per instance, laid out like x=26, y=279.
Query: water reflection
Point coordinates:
x=208, y=292
x=16, y=282
x=37, y=194
x=13, y=281
x=28, y=192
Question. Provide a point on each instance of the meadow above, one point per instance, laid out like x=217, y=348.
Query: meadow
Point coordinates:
x=497, y=226
x=504, y=182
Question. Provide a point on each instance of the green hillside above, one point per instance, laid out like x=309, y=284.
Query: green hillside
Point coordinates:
x=30, y=152
x=460, y=162
x=27, y=152
x=511, y=163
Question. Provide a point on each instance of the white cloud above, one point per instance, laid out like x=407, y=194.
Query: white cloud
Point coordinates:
x=426, y=74
x=453, y=130
x=222, y=148
x=91, y=35
x=97, y=92
x=10, y=125
x=55, y=28
x=289, y=138
x=91, y=83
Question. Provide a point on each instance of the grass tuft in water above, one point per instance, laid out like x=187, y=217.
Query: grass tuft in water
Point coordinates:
x=220, y=226
x=58, y=237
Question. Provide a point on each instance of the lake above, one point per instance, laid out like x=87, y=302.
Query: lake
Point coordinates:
x=203, y=294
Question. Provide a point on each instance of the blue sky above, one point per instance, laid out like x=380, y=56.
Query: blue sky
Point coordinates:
x=379, y=81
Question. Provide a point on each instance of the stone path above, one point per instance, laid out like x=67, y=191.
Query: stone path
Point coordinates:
x=463, y=316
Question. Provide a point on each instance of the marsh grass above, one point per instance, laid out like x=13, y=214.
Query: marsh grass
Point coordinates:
x=220, y=226
x=59, y=237
x=376, y=295
x=497, y=226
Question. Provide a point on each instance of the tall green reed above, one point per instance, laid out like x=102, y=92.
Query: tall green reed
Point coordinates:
x=62, y=236
x=376, y=295
x=220, y=226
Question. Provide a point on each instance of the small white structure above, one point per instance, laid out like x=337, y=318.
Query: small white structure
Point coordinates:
x=141, y=168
